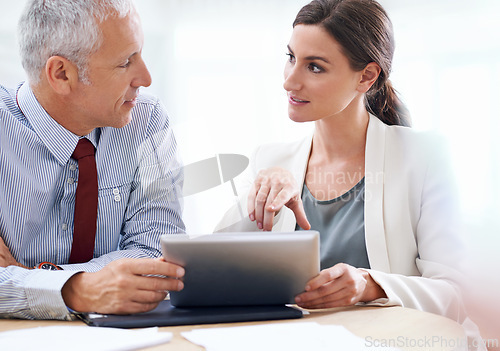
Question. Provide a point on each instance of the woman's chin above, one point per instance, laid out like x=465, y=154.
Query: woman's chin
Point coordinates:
x=299, y=119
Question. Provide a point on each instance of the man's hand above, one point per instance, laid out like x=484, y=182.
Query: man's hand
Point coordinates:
x=123, y=286
x=272, y=189
x=340, y=285
x=6, y=258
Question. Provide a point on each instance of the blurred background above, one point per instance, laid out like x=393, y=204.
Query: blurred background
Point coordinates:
x=217, y=65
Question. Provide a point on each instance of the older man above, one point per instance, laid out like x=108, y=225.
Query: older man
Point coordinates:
x=79, y=129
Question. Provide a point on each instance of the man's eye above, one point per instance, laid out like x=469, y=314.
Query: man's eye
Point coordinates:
x=125, y=65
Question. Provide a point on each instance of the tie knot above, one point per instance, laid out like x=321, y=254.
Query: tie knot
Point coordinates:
x=83, y=148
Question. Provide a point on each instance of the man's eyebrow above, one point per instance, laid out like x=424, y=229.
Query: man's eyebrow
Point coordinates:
x=123, y=58
x=310, y=58
x=132, y=55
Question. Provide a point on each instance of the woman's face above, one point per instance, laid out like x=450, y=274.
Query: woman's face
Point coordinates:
x=318, y=78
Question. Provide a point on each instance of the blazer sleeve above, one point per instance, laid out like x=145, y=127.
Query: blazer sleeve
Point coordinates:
x=429, y=198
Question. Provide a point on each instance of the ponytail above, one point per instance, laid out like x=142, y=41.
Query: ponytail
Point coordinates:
x=385, y=104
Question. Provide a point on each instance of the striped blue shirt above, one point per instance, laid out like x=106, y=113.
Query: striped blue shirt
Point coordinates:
x=139, y=181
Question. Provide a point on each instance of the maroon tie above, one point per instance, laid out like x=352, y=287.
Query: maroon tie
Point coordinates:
x=85, y=204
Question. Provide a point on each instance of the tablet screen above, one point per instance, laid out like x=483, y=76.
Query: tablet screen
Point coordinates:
x=241, y=269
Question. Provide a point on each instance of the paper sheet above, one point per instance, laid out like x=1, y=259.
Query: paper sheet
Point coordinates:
x=283, y=336
x=76, y=338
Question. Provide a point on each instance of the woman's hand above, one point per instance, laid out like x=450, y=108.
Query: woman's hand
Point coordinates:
x=340, y=285
x=272, y=189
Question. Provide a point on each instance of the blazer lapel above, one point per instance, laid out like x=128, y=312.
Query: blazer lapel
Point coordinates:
x=374, y=195
x=298, y=166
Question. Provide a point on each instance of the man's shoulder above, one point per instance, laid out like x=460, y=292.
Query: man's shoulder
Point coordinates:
x=148, y=118
x=7, y=98
x=149, y=108
x=146, y=104
x=147, y=99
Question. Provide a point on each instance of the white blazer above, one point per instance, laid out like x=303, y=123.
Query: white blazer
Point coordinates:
x=411, y=209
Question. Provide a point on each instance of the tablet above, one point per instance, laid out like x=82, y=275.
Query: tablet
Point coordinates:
x=242, y=269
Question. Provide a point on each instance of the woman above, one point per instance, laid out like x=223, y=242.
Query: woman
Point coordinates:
x=380, y=194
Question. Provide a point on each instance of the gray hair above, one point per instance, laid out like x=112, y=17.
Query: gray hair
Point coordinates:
x=67, y=28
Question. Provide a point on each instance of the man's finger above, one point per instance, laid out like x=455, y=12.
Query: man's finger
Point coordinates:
x=149, y=296
x=148, y=266
x=153, y=283
x=129, y=307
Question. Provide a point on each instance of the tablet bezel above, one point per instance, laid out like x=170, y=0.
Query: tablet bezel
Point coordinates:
x=241, y=269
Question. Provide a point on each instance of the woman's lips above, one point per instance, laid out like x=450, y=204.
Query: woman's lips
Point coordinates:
x=296, y=101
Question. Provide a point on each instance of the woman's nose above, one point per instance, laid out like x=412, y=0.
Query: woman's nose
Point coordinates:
x=292, y=79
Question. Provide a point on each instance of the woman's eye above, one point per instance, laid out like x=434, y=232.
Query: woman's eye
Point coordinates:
x=314, y=68
x=291, y=58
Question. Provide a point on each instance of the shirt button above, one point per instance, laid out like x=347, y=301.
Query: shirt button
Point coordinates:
x=72, y=168
x=116, y=191
x=71, y=180
x=64, y=226
x=117, y=198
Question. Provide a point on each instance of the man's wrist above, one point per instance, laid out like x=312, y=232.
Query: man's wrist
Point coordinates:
x=22, y=265
x=71, y=293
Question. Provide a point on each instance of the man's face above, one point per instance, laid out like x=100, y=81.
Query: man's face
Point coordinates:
x=116, y=72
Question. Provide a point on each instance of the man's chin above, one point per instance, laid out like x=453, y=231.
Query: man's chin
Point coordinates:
x=123, y=121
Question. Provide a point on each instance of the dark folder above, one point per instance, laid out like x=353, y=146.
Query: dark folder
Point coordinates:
x=167, y=315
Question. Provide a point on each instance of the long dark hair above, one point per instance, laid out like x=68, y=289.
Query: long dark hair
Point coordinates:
x=364, y=31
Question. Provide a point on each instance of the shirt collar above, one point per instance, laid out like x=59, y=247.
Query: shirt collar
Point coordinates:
x=59, y=141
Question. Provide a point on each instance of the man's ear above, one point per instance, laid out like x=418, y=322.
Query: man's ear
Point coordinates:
x=369, y=76
x=61, y=74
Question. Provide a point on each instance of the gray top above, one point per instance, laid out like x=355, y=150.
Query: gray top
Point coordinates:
x=341, y=224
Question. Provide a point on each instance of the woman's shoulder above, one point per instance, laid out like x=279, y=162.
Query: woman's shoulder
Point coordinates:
x=407, y=146
x=425, y=140
x=416, y=149
x=410, y=134
x=407, y=137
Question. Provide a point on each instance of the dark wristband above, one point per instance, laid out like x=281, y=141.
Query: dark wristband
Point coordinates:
x=48, y=266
